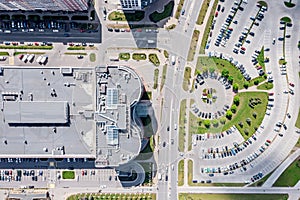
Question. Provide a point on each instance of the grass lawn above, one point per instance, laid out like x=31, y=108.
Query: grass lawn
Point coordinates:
x=68, y=174
x=76, y=48
x=163, y=76
x=181, y=173
x=186, y=79
x=168, y=9
x=182, y=115
x=26, y=47
x=298, y=120
x=265, y=86
x=244, y=111
x=208, y=27
x=154, y=59
x=261, y=58
x=290, y=176
x=193, y=45
x=156, y=73
x=179, y=8
x=203, y=12
x=139, y=56
x=92, y=57
x=124, y=56
x=72, y=53
x=108, y=196
x=120, y=16
x=186, y=196
x=219, y=64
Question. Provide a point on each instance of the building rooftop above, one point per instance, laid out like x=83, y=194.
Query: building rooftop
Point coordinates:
x=75, y=112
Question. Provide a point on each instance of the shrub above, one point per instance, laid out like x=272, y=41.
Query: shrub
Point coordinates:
x=256, y=82
x=248, y=120
x=233, y=108
x=230, y=79
x=228, y=114
x=223, y=120
x=206, y=123
x=215, y=123
x=225, y=73
x=236, y=100
x=254, y=114
x=235, y=87
x=246, y=85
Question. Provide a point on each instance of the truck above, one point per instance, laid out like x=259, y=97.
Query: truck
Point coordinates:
x=39, y=59
x=43, y=60
x=30, y=58
x=173, y=60
x=24, y=59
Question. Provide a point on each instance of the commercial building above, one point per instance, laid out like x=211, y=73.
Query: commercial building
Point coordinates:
x=70, y=113
x=135, y=4
x=45, y=5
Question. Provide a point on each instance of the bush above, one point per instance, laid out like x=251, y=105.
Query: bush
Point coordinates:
x=254, y=114
x=246, y=85
x=235, y=87
x=248, y=120
x=241, y=124
x=228, y=114
x=215, y=123
x=124, y=56
x=236, y=100
x=230, y=79
x=233, y=108
x=206, y=123
x=223, y=120
x=225, y=73
x=256, y=82
x=139, y=56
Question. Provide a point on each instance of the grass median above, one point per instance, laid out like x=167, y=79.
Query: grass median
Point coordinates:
x=186, y=79
x=163, y=77
x=156, y=73
x=181, y=173
x=298, y=120
x=203, y=11
x=182, y=116
x=110, y=196
x=154, y=59
x=179, y=8
x=68, y=174
x=26, y=47
x=193, y=45
x=208, y=27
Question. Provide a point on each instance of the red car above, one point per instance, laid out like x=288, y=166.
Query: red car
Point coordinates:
x=82, y=172
x=21, y=56
x=216, y=15
x=271, y=94
x=36, y=44
x=292, y=84
x=269, y=141
x=230, y=29
x=243, y=48
x=71, y=44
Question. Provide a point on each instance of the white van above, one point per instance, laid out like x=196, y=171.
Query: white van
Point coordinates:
x=39, y=59
x=30, y=58
x=24, y=59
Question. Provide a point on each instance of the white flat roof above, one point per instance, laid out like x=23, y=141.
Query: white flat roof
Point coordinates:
x=36, y=112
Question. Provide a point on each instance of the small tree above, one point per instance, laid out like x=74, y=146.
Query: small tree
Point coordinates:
x=206, y=123
x=233, y=108
x=254, y=114
x=236, y=100
x=223, y=120
x=225, y=73
x=256, y=82
x=241, y=124
x=235, y=87
x=246, y=85
x=248, y=120
x=215, y=123
x=228, y=114
x=246, y=131
x=230, y=79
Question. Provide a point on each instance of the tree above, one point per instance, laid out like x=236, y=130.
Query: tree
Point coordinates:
x=256, y=82
x=235, y=87
x=198, y=71
x=241, y=124
x=223, y=120
x=215, y=123
x=233, y=108
x=248, y=120
x=229, y=114
x=236, y=100
x=254, y=114
x=246, y=85
x=206, y=123
x=225, y=73
x=246, y=131
x=230, y=79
